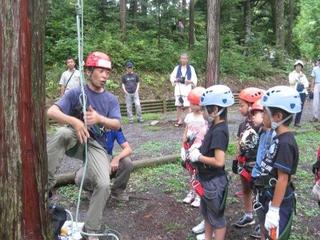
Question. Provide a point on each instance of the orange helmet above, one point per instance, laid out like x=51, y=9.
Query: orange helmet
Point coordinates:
x=195, y=95
x=257, y=106
x=251, y=94
x=98, y=59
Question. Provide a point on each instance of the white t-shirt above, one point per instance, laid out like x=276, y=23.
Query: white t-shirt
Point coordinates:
x=295, y=78
x=183, y=89
x=196, y=125
x=73, y=82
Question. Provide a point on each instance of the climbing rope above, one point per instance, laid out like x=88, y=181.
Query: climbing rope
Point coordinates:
x=111, y=234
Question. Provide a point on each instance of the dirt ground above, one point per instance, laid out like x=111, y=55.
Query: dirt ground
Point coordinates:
x=155, y=210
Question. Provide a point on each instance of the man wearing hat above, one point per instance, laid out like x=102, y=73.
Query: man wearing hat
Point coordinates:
x=130, y=86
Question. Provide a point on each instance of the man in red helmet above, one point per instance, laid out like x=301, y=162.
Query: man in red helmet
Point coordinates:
x=103, y=113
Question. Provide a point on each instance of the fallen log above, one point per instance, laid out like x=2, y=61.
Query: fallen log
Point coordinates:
x=68, y=178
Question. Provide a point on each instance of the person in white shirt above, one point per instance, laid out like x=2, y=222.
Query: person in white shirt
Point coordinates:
x=299, y=81
x=183, y=78
x=315, y=86
x=70, y=78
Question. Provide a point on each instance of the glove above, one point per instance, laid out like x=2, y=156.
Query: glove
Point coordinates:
x=272, y=218
x=183, y=154
x=194, y=155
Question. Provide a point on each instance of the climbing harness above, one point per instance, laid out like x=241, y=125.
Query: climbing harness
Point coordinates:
x=109, y=233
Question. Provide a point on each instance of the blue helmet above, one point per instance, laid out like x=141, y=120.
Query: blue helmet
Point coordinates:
x=218, y=95
x=283, y=97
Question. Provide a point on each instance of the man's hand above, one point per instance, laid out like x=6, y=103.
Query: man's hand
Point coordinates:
x=92, y=117
x=81, y=130
x=115, y=164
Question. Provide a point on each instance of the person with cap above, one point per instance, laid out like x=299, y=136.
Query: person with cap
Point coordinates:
x=69, y=78
x=130, y=86
x=183, y=78
x=299, y=81
x=103, y=112
x=315, y=86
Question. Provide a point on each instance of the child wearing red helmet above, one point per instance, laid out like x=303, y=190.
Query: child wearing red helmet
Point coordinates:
x=196, y=127
x=248, y=137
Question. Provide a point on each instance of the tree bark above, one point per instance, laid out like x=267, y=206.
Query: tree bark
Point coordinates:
x=213, y=35
x=290, y=25
x=280, y=24
x=247, y=25
x=280, y=36
x=191, y=24
x=23, y=162
x=123, y=12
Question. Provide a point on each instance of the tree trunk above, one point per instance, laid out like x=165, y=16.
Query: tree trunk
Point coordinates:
x=290, y=26
x=247, y=25
x=123, y=11
x=191, y=24
x=213, y=35
x=280, y=32
x=144, y=7
x=273, y=14
x=23, y=162
x=133, y=8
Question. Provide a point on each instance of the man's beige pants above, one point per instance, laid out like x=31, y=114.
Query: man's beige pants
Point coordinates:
x=97, y=177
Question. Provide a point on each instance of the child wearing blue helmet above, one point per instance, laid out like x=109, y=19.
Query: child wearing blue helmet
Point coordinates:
x=210, y=160
x=276, y=198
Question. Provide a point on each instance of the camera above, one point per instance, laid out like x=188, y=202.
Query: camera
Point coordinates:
x=182, y=80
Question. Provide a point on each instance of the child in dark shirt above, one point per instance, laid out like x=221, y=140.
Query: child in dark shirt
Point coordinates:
x=210, y=160
x=279, y=164
x=248, y=138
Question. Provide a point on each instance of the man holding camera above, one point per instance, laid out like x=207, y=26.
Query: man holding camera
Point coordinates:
x=183, y=78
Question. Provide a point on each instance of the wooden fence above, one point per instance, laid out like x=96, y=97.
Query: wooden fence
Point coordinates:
x=158, y=106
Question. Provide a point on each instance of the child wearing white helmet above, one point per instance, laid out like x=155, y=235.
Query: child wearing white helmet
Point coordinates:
x=299, y=81
x=210, y=160
x=274, y=182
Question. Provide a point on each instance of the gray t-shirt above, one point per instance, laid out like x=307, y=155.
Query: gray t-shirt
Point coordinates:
x=74, y=81
x=130, y=81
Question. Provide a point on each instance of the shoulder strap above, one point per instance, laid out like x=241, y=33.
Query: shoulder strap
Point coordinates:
x=69, y=78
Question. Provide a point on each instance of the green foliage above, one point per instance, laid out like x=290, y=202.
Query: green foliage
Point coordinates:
x=307, y=29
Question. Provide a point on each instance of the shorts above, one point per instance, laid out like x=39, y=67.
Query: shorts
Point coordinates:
x=185, y=103
x=286, y=210
x=210, y=207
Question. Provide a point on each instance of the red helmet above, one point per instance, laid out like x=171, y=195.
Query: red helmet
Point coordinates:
x=251, y=94
x=98, y=59
x=195, y=95
x=257, y=106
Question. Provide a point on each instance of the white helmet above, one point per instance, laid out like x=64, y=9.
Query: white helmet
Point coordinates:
x=282, y=97
x=298, y=62
x=218, y=95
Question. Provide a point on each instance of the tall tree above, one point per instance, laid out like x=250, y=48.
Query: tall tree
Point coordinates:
x=247, y=24
x=290, y=26
x=123, y=13
x=191, y=23
x=280, y=36
x=144, y=7
x=133, y=8
x=23, y=162
x=213, y=35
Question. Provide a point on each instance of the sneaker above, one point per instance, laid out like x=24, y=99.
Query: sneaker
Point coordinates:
x=199, y=228
x=189, y=198
x=140, y=120
x=196, y=202
x=202, y=236
x=244, y=221
x=314, y=119
x=256, y=232
x=130, y=121
x=121, y=196
x=297, y=125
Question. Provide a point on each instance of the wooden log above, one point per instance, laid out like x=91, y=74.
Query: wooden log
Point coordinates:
x=68, y=178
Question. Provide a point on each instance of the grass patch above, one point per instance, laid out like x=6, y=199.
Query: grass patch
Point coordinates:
x=145, y=116
x=69, y=192
x=169, y=178
x=155, y=147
